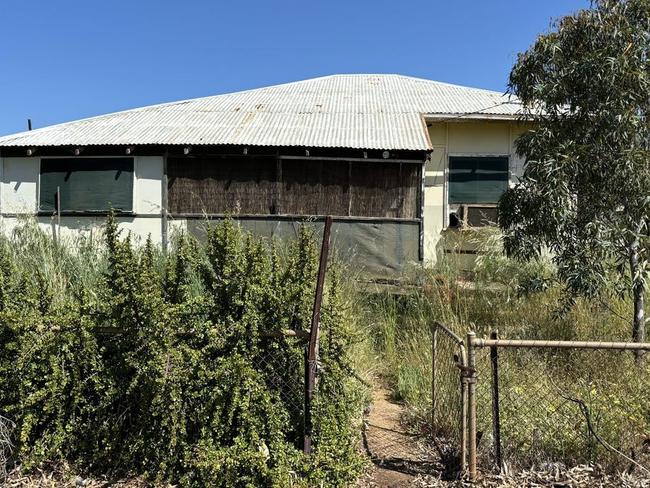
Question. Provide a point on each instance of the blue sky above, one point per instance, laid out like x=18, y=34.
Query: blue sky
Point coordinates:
x=62, y=60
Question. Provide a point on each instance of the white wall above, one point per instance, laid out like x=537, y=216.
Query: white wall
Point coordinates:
x=19, y=199
x=493, y=138
x=148, y=185
x=19, y=188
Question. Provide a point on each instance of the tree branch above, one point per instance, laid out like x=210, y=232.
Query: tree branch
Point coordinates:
x=584, y=409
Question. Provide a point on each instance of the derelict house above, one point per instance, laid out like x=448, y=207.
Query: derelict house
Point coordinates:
x=396, y=160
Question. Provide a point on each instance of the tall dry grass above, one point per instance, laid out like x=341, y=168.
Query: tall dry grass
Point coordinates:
x=541, y=419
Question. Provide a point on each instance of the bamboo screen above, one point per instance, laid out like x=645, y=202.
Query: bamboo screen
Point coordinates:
x=315, y=187
x=385, y=190
x=266, y=186
x=220, y=186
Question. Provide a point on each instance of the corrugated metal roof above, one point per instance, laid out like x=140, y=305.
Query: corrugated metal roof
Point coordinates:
x=351, y=111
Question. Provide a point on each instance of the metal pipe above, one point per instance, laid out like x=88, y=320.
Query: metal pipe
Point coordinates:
x=300, y=334
x=361, y=160
x=421, y=192
x=58, y=214
x=463, y=407
x=471, y=400
x=449, y=332
x=464, y=403
x=463, y=420
x=496, y=420
x=628, y=346
x=164, y=217
x=291, y=217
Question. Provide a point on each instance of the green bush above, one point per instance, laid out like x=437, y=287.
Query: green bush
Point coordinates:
x=125, y=360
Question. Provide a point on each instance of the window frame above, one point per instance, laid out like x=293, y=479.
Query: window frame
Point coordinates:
x=131, y=212
x=446, y=203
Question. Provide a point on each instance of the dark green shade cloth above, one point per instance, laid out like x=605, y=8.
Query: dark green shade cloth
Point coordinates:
x=477, y=179
x=87, y=184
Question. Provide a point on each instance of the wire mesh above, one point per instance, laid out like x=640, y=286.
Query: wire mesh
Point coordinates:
x=568, y=406
x=283, y=365
x=447, y=396
x=6, y=428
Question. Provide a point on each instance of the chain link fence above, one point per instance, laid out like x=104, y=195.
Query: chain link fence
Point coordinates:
x=562, y=405
x=449, y=396
x=539, y=403
x=6, y=431
x=514, y=405
x=282, y=362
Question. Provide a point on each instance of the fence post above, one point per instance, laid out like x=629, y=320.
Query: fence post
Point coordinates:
x=471, y=400
x=496, y=420
x=434, y=346
x=463, y=409
x=311, y=354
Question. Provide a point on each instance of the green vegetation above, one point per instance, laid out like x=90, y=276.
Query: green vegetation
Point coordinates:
x=584, y=192
x=124, y=361
x=540, y=419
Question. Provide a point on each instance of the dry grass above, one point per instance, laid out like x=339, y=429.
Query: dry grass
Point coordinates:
x=6, y=446
x=63, y=476
x=553, y=475
x=538, y=424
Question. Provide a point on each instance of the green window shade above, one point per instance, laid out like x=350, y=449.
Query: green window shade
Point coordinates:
x=477, y=179
x=87, y=184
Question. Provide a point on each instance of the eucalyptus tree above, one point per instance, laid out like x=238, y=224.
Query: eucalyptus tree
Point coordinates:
x=585, y=192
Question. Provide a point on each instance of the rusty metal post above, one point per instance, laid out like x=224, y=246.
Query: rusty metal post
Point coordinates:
x=496, y=420
x=434, y=346
x=463, y=408
x=311, y=354
x=471, y=400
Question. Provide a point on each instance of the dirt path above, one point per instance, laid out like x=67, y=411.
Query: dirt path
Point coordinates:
x=398, y=455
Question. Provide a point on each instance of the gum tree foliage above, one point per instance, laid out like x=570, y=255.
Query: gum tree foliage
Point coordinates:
x=122, y=360
x=585, y=192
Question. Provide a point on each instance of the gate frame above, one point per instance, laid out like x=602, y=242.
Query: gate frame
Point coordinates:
x=464, y=382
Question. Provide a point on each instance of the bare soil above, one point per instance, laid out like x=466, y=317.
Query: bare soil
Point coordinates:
x=398, y=455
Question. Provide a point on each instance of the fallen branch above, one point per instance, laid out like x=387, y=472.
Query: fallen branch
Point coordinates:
x=587, y=415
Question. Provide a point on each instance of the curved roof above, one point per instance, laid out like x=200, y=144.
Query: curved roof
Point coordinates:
x=347, y=111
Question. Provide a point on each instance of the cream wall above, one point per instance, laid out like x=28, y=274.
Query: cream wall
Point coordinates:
x=469, y=138
x=148, y=185
x=19, y=187
x=19, y=200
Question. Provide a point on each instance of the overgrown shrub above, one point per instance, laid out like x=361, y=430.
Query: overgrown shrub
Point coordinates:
x=125, y=360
